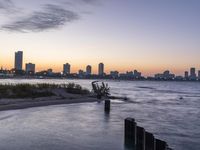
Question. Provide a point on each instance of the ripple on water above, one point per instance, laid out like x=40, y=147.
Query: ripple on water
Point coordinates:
x=155, y=105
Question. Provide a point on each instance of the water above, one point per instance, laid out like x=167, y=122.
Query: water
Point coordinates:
x=155, y=105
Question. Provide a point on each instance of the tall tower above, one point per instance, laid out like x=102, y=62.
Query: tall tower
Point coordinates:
x=18, y=60
x=101, y=69
x=192, y=73
x=66, y=68
x=88, y=70
x=186, y=75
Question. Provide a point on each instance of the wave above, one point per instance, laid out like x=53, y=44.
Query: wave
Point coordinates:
x=6, y=117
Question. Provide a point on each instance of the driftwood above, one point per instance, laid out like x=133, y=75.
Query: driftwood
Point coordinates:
x=100, y=90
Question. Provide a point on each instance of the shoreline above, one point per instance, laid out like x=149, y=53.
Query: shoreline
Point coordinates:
x=15, y=104
x=21, y=96
x=105, y=79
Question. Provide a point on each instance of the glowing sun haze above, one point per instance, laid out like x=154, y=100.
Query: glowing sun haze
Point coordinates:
x=150, y=36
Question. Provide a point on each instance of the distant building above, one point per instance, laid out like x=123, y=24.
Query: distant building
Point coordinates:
x=88, y=70
x=199, y=75
x=81, y=73
x=122, y=75
x=186, y=76
x=30, y=68
x=18, y=60
x=66, y=68
x=129, y=74
x=4, y=73
x=178, y=78
x=49, y=72
x=101, y=69
x=137, y=74
x=166, y=75
x=158, y=76
x=114, y=74
x=192, y=74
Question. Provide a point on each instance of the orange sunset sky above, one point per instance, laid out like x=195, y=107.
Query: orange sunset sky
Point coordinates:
x=125, y=35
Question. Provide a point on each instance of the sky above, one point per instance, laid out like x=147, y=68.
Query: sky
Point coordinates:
x=150, y=36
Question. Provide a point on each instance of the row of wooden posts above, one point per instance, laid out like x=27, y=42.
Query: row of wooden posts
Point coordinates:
x=136, y=138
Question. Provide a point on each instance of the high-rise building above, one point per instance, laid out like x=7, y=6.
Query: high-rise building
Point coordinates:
x=88, y=70
x=101, y=69
x=192, y=74
x=186, y=75
x=66, y=68
x=18, y=60
x=30, y=68
x=199, y=75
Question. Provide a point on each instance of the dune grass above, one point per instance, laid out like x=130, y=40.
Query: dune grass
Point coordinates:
x=75, y=89
x=38, y=90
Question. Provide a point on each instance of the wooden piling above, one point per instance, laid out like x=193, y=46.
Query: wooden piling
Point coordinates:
x=149, y=141
x=130, y=133
x=136, y=138
x=140, y=138
x=107, y=106
x=161, y=145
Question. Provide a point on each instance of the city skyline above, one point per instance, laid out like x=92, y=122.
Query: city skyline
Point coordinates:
x=125, y=35
x=99, y=69
x=30, y=69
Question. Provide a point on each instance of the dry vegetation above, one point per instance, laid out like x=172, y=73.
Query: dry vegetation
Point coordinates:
x=38, y=90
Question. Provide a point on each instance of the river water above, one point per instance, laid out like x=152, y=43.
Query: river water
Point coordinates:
x=170, y=110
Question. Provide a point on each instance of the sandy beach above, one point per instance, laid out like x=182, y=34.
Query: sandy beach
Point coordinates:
x=60, y=97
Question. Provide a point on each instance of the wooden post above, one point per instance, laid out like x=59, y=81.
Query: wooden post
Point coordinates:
x=161, y=145
x=149, y=141
x=136, y=138
x=130, y=133
x=140, y=138
x=107, y=106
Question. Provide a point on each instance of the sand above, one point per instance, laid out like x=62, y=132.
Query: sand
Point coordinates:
x=60, y=97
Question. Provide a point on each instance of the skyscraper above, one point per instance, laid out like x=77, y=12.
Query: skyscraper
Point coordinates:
x=192, y=74
x=30, y=68
x=66, y=68
x=18, y=60
x=88, y=70
x=101, y=69
x=186, y=75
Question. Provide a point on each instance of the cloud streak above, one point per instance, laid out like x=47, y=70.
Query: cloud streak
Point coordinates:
x=51, y=16
x=7, y=6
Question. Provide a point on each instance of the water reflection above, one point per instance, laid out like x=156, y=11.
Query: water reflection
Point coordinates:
x=156, y=106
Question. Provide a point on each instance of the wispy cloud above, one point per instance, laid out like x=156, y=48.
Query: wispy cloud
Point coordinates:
x=50, y=16
x=5, y=3
x=7, y=6
x=80, y=2
x=89, y=1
